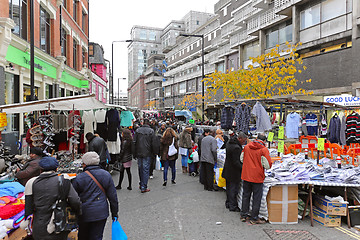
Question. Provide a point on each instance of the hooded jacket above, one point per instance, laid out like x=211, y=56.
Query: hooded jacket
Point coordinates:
x=98, y=145
x=233, y=166
x=253, y=170
x=146, y=143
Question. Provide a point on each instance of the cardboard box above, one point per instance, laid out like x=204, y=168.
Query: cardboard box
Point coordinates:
x=18, y=234
x=73, y=235
x=331, y=208
x=324, y=219
x=282, y=203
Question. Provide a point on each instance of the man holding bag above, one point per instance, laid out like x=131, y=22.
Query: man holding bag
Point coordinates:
x=95, y=188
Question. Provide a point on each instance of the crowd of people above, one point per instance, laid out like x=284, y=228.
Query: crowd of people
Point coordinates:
x=91, y=192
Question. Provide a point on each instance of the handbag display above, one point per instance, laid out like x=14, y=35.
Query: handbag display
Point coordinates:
x=172, y=149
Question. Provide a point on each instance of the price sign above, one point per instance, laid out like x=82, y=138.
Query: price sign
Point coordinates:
x=281, y=146
x=270, y=137
x=281, y=133
x=191, y=121
x=3, y=120
x=321, y=144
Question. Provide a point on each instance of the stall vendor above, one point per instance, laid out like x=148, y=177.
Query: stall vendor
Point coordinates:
x=31, y=168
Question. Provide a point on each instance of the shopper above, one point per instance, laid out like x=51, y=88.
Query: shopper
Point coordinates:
x=167, y=153
x=208, y=160
x=98, y=145
x=205, y=133
x=41, y=193
x=220, y=135
x=125, y=157
x=31, y=168
x=185, y=143
x=255, y=158
x=232, y=170
x=146, y=147
x=95, y=188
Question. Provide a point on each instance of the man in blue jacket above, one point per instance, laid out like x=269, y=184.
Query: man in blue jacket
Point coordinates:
x=95, y=188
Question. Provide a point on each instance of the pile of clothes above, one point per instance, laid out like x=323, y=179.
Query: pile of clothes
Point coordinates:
x=12, y=207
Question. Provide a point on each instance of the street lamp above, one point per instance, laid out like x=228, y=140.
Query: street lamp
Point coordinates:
x=202, y=69
x=112, y=69
x=119, y=89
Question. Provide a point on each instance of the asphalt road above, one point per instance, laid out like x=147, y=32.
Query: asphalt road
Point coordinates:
x=186, y=211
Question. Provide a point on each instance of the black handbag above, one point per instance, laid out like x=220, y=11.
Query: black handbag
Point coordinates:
x=65, y=218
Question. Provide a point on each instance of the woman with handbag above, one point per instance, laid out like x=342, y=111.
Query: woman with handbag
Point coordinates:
x=186, y=146
x=125, y=157
x=169, y=153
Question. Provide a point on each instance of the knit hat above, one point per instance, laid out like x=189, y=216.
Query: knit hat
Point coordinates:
x=90, y=158
x=48, y=163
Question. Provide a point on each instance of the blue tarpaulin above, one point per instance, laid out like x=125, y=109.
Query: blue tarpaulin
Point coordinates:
x=186, y=113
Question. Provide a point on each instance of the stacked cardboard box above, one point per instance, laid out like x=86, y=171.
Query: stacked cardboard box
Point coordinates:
x=328, y=213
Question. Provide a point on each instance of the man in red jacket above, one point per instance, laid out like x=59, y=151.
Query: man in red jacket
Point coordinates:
x=255, y=158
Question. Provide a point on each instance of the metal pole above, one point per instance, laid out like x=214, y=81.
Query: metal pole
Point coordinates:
x=112, y=75
x=203, y=76
x=118, y=91
x=32, y=52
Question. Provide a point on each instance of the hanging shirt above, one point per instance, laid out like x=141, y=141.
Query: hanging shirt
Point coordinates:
x=334, y=129
x=353, y=128
x=227, y=117
x=262, y=118
x=88, y=119
x=311, y=124
x=126, y=118
x=100, y=116
x=323, y=126
x=293, y=121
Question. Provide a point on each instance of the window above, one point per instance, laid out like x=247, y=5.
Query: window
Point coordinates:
x=220, y=67
x=65, y=4
x=143, y=35
x=197, y=22
x=18, y=12
x=310, y=17
x=83, y=56
x=93, y=88
x=75, y=10
x=63, y=42
x=100, y=92
x=152, y=36
x=74, y=54
x=251, y=50
x=44, y=30
x=91, y=50
x=225, y=11
x=83, y=21
x=332, y=8
x=182, y=87
x=279, y=34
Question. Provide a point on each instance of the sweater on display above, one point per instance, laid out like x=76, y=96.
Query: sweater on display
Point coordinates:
x=334, y=129
x=353, y=128
x=262, y=118
x=311, y=124
x=227, y=117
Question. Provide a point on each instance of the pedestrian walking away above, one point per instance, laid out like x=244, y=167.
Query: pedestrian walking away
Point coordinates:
x=185, y=144
x=98, y=145
x=125, y=157
x=169, y=153
x=95, y=188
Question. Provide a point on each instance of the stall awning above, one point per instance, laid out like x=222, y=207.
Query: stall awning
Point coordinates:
x=82, y=102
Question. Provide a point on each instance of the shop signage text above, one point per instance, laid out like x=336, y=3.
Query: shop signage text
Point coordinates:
x=343, y=100
x=38, y=66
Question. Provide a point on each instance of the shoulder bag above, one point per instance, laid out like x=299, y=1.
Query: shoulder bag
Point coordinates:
x=96, y=181
x=172, y=149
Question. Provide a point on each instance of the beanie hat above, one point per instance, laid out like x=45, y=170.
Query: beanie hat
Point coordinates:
x=90, y=158
x=48, y=163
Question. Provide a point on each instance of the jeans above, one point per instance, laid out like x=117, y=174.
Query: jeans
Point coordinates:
x=166, y=165
x=232, y=190
x=91, y=230
x=144, y=168
x=207, y=172
x=184, y=159
x=256, y=189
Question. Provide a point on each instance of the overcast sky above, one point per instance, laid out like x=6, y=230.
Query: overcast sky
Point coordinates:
x=112, y=20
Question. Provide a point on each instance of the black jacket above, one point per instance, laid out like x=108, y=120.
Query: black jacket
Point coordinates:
x=199, y=144
x=40, y=194
x=126, y=151
x=146, y=143
x=31, y=169
x=233, y=166
x=98, y=145
x=94, y=202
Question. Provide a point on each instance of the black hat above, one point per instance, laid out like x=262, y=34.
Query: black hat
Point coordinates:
x=36, y=150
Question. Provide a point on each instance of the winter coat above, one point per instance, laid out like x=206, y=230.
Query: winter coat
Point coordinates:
x=95, y=205
x=334, y=129
x=199, y=144
x=31, y=169
x=233, y=166
x=165, y=143
x=262, y=118
x=253, y=170
x=208, y=150
x=227, y=117
x=98, y=145
x=185, y=139
x=146, y=143
x=40, y=194
x=126, y=151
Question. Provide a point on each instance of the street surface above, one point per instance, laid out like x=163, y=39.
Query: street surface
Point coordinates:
x=187, y=212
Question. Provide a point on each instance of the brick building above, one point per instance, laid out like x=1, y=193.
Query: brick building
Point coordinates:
x=136, y=93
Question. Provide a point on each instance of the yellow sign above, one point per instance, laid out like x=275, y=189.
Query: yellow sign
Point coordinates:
x=281, y=146
x=321, y=144
x=3, y=120
x=281, y=133
x=270, y=137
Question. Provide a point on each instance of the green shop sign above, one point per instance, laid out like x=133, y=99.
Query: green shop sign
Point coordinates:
x=67, y=78
x=21, y=58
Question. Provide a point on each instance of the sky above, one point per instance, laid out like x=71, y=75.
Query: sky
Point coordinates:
x=112, y=20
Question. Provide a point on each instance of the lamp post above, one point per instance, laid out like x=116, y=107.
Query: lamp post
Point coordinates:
x=202, y=70
x=119, y=89
x=32, y=53
x=112, y=69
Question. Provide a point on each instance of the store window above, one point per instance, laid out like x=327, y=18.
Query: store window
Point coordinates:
x=68, y=93
x=49, y=91
x=279, y=34
x=44, y=30
x=18, y=13
x=63, y=42
x=75, y=54
x=27, y=93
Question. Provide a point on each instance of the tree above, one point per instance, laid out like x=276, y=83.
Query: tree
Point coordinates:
x=270, y=74
x=151, y=105
x=190, y=101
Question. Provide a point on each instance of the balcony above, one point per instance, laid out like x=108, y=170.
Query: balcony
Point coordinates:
x=228, y=30
x=241, y=38
x=220, y=4
x=264, y=20
x=284, y=6
x=245, y=12
x=264, y=4
x=153, y=79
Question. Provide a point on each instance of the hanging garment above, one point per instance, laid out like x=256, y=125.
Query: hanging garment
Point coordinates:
x=312, y=124
x=343, y=129
x=262, y=118
x=293, y=121
x=126, y=118
x=334, y=129
x=70, y=118
x=303, y=127
x=323, y=126
x=227, y=117
x=353, y=128
x=114, y=147
x=113, y=124
x=242, y=118
x=88, y=119
x=101, y=127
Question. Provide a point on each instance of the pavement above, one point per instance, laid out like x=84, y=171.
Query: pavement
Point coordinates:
x=184, y=211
